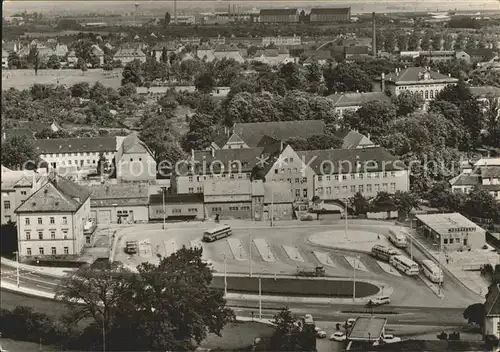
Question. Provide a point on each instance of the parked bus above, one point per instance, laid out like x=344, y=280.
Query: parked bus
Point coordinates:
x=432, y=271
x=217, y=233
x=398, y=239
x=404, y=264
x=384, y=253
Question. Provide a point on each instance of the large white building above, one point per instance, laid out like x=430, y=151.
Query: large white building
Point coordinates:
x=52, y=221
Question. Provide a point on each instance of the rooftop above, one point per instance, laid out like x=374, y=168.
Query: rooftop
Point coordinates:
x=357, y=99
x=484, y=91
x=119, y=194
x=253, y=132
x=355, y=140
x=75, y=145
x=416, y=74
x=22, y=178
x=330, y=10
x=133, y=145
x=367, y=328
x=174, y=198
x=278, y=12
x=442, y=223
x=465, y=180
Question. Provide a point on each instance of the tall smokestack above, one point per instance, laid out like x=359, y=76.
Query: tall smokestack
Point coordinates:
x=374, y=34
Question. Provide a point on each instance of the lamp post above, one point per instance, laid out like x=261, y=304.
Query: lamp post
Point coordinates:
x=17, y=268
x=250, y=255
x=260, y=294
x=225, y=276
x=440, y=260
x=411, y=239
x=354, y=280
x=345, y=215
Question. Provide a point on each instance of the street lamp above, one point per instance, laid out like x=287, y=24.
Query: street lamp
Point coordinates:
x=250, y=255
x=260, y=293
x=17, y=268
x=354, y=281
x=225, y=276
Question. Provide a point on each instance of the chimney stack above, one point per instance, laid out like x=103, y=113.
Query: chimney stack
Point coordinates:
x=374, y=38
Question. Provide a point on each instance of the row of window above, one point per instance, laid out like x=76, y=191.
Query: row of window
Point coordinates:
x=52, y=221
x=451, y=241
x=211, y=177
x=360, y=188
x=41, y=251
x=59, y=155
x=297, y=193
x=70, y=162
x=198, y=190
x=424, y=93
x=178, y=211
x=369, y=175
x=242, y=208
x=52, y=235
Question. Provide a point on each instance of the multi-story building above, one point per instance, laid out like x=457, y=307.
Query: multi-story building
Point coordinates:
x=76, y=153
x=328, y=15
x=52, y=221
x=429, y=55
x=17, y=186
x=176, y=206
x=282, y=41
x=273, y=57
x=492, y=311
x=134, y=161
x=341, y=173
x=126, y=55
x=477, y=55
x=484, y=175
x=418, y=80
x=232, y=198
x=278, y=15
x=159, y=48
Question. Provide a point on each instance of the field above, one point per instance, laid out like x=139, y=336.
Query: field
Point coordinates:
x=24, y=79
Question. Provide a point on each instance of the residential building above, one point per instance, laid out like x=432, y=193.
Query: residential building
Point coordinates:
x=273, y=57
x=52, y=221
x=282, y=41
x=435, y=56
x=160, y=47
x=418, y=80
x=119, y=203
x=329, y=15
x=352, y=102
x=72, y=59
x=5, y=59
x=452, y=231
x=251, y=134
x=230, y=199
x=77, y=153
x=357, y=53
x=477, y=55
x=176, y=207
x=126, y=55
x=228, y=52
x=341, y=173
x=492, y=311
x=278, y=15
x=319, y=57
x=484, y=175
x=134, y=161
x=61, y=50
x=205, y=52
x=17, y=186
x=278, y=201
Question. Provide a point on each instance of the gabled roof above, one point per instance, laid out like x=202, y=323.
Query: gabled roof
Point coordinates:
x=490, y=171
x=119, y=194
x=278, y=12
x=133, y=145
x=130, y=52
x=373, y=159
x=412, y=74
x=57, y=195
x=486, y=53
x=168, y=45
x=492, y=304
x=482, y=92
x=253, y=132
x=357, y=99
x=234, y=139
x=465, y=180
x=330, y=10
x=19, y=178
x=75, y=145
x=355, y=139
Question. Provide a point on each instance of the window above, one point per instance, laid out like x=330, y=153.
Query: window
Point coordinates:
x=27, y=221
x=457, y=240
x=393, y=174
x=290, y=160
x=384, y=187
x=6, y=204
x=344, y=177
x=28, y=251
x=353, y=189
x=385, y=174
x=297, y=180
x=39, y=221
x=337, y=189
x=377, y=188
x=368, y=175
x=361, y=188
x=231, y=176
x=28, y=235
x=191, y=190
x=69, y=162
x=328, y=190
x=199, y=190
x=445, y=241
x=369, y=188
x=215, y=209
x=360, y=176
x=65, y=234
x=66, y=250
x=245, y=208
x=65, y=220
x=336, y=177
x=52, y=221
x=376, y=175
x=53, y=250
x=304, y=179
x=176, y=211
x=52, y=235
x=305, y=192
x=320, y=178
x=275, y=171
x=233, y=208
x=451, y=240
x=240, y=176
x=344, y=189
x=393, y=186
x=192, y=210
x=295, y=169
x=320, y=190
x=426, y=94
x=40, y=235
x=353, y=176
x=282, y=171
x=40, y=250
x=289, y=170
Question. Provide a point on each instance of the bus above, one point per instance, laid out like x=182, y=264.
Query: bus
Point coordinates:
x=383, y=252
x=217, y=233
x=404, y=264
x=432, y=271
x=398, y=239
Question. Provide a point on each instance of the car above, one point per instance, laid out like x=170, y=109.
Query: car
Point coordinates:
x=308, y=319
x=389, y=338
x=350, y=322
x=378, y=301
x=320, y=334
x=338, y=336
x=209, y=265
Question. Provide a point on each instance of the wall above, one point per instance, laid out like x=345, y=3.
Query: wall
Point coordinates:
x=282, y=211
x=429, y=88
x=136, y=167
x=238, y=210
x=156, y=210
x=85, y=160
x=194, y=184
x=382, y=215
x=140, y=213
x=492, y=327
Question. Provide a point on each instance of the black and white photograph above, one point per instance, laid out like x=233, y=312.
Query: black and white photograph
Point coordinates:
x=250, y=175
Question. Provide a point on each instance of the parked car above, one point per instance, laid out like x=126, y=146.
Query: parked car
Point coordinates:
x=338, y=336
x=350, y=322
x=378, y=301
x=389, y=338
x=320, y=334
x=308, y=319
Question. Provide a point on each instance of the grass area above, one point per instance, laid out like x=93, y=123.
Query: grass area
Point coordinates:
x=24, y=79
x=238, y=336
x=296, y=287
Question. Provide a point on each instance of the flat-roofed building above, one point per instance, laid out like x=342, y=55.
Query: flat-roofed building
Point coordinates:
x=452, y=231
x=187, y=206
x=367, y=329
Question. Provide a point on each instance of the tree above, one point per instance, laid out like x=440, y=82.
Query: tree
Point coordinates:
x=13, y=60
x=408, y=102
x=475, y=314
x=360, y=204
x=403, y=42
x=405, y=202
x=315, y=142
x=169, y=306
x=448, y=42
x=205, y=82
x=425, y=43
x=414, y=41
x=293, y=76
x=200, y=134
x=82, y=65
x=347, y=78
x=53, y=62
x=482, y=204
x=288, y=335
x=390, y=42
x=436, y=41
x=100, y=289
x=371, y=118
x=127, y=90
x=166, y=20
x=102, y=164
x=19, y=153
x=491, y=111
x=132, y=73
